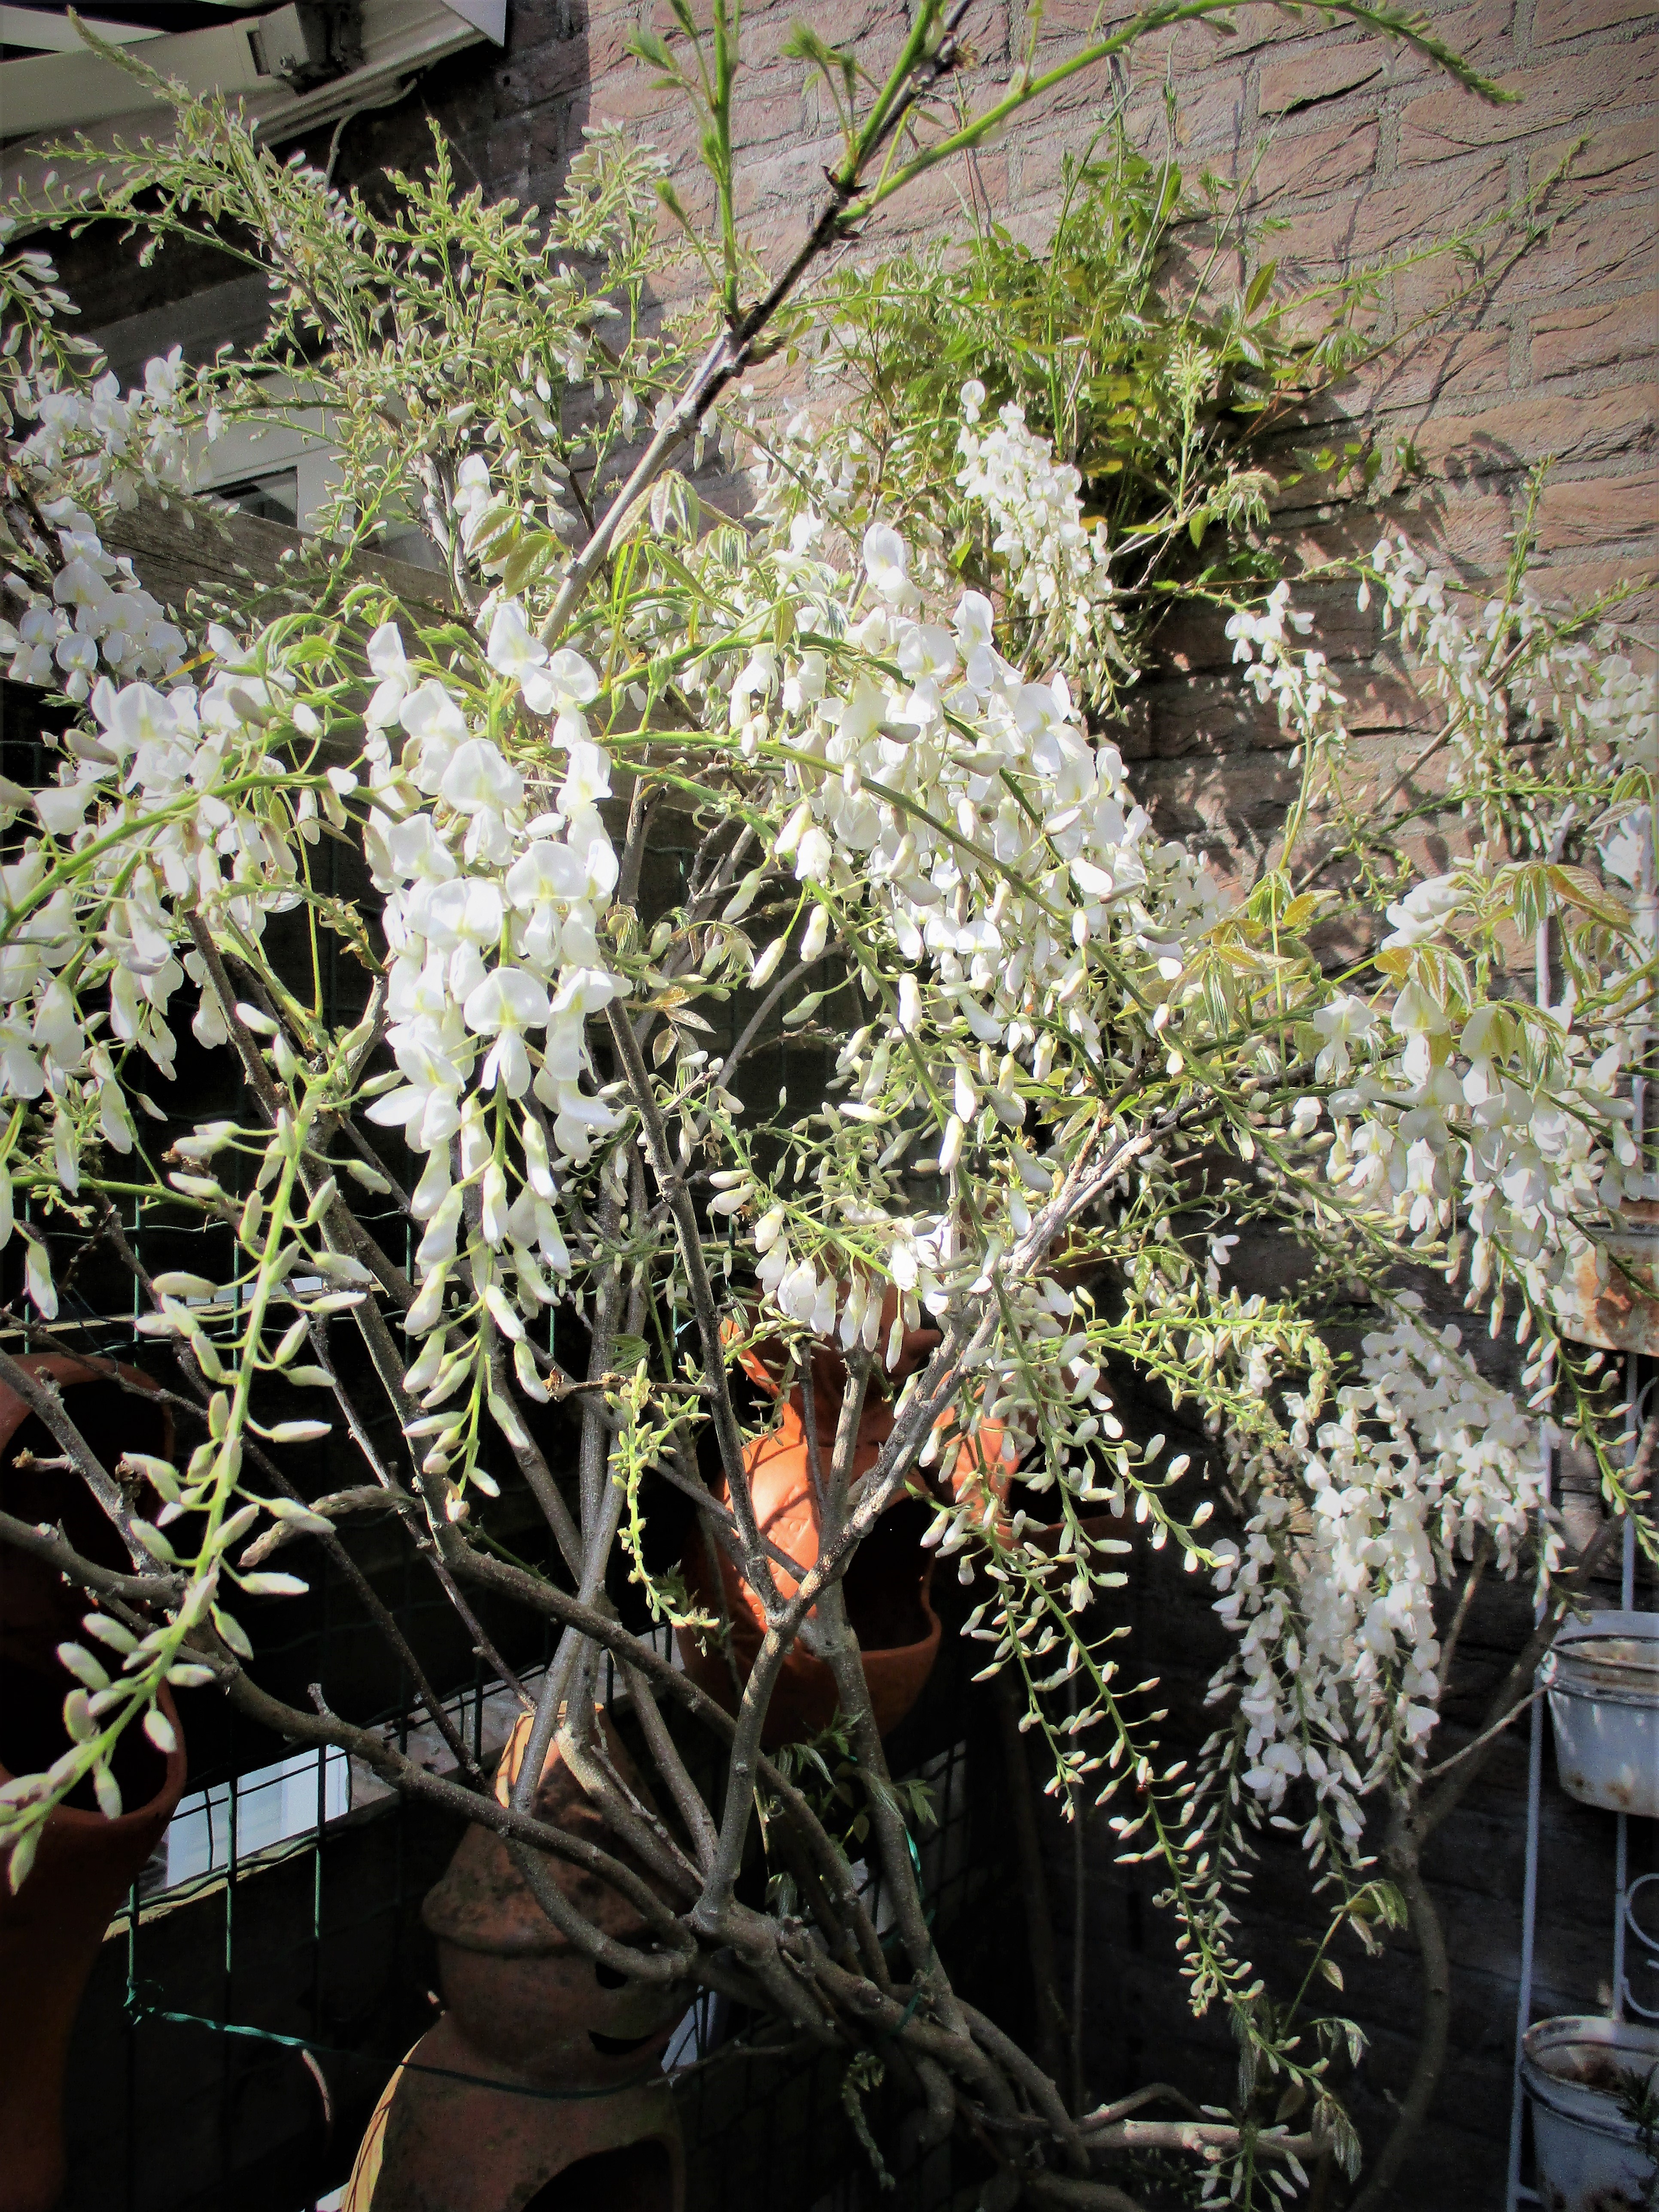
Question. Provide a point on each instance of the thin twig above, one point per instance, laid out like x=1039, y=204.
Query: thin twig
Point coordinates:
x=1485, y=1736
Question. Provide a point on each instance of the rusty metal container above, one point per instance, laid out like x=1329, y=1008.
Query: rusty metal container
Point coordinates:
x=1579, y=2072
x=1611, y=1298
x=1602, y=1677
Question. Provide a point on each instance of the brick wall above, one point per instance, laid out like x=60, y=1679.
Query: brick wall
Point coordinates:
x=1369, y=154
x=1364, y=153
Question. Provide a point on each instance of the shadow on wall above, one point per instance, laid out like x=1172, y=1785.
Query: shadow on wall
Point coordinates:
x=514, y=117
x=1210, y=762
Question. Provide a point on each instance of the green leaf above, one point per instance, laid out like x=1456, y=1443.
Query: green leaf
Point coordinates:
x=650, y=49
x=528, y=559
x=1259, y=286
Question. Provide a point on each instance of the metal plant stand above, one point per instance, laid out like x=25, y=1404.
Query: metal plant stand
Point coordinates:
x=1635, y=1976
x=1635, y=1994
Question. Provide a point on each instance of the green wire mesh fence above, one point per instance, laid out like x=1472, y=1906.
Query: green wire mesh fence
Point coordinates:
x=269, y=1968
x=252, y=2008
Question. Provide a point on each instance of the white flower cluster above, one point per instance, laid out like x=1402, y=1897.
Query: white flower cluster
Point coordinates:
x=1331, y=1591
x=1459, y=1110
x=114, y=446
x=1300, y=686
x=91, y=450
x=1059, y=568
x=990, y=839
x=97, y=611
x=493, y=917
x=1507, y=673
x=1470, y=1118
x=191, y=764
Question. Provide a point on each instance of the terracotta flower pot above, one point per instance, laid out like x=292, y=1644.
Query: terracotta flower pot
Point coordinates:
x=887, y=1598
x=51, y=1929
x=454, y=2133
x=514, y=1987
x=887, y=1588
x=538, y=2086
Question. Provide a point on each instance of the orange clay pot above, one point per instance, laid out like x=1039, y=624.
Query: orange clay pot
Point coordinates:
x=51, y=1930
x=541, y=2075
x=454, y=2133
x=887, y=1586
x=886, y=1590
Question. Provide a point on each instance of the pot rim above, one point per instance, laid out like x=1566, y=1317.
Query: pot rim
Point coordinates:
x=1608, y=1621
x=1569, y=1670
x=73, y=1819
x=65, y=1369
x=1581, y=2104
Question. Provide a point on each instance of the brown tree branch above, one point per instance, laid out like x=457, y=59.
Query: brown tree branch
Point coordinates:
x=40, y=1395
x=1403, y=1852
x=50, y=1546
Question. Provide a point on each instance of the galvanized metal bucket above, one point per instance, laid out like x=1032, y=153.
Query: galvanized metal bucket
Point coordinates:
x=1602, y=1677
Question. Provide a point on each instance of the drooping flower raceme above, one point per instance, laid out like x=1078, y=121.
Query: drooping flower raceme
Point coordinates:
x=1059, y=568
x=1367, y=1511
x=79, y=610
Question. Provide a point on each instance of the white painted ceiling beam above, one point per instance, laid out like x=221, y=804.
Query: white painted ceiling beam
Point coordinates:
x=31, y=27
x=70, y=89
x=400, y=38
